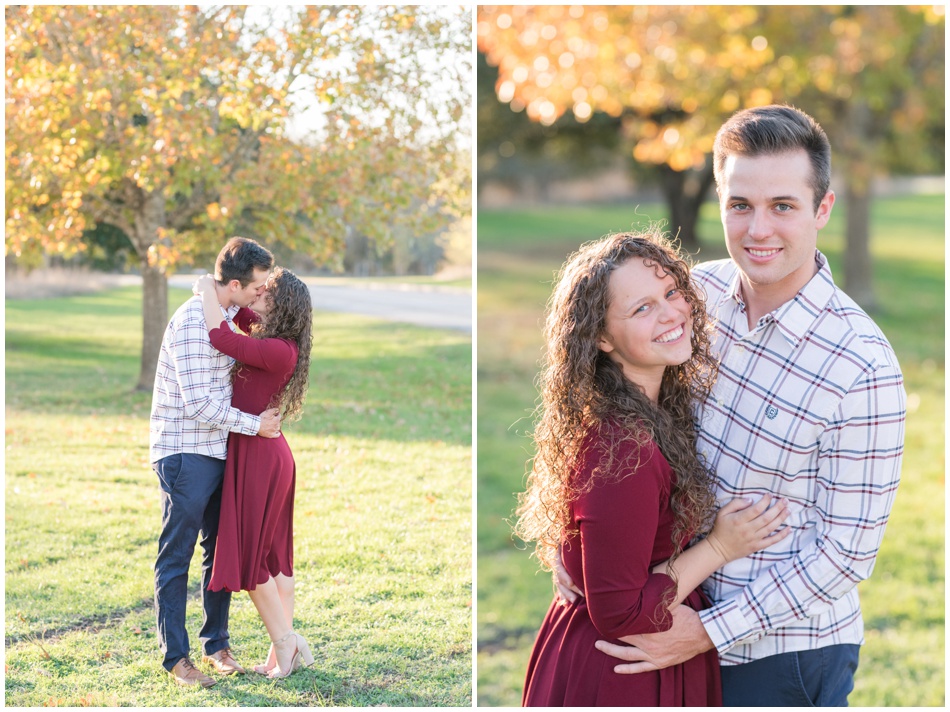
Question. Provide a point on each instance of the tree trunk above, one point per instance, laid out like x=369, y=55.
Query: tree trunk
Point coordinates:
x=149, y=221
x=685, y=192
x=857, y=255
x=154, y=321
x=858, y=149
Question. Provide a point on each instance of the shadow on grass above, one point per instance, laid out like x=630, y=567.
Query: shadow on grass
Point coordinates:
x=106, y=619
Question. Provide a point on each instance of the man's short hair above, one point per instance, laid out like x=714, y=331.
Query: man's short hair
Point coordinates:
x=767, y=130
x=239, y=258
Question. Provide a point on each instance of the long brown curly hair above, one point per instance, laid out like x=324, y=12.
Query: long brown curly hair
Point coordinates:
x=584, y=392
x=291, y=318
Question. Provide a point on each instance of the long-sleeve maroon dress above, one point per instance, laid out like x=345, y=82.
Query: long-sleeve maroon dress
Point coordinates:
x=255, y=532
x=624, y=528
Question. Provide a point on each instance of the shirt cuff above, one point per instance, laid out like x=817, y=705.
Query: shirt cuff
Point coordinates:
x=250, y=424
x=726, y=625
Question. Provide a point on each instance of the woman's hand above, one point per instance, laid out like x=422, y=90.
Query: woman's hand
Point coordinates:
x=742, y=529
x=203, y=284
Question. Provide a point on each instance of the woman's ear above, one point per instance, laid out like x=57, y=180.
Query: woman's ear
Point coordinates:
x=604, y=344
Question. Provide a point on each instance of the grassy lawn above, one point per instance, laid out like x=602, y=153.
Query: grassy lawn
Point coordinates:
x=382, y=522
x=902, y=663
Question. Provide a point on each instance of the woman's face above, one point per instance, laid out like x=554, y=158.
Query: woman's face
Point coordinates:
x=648, y=324
x=264, y=303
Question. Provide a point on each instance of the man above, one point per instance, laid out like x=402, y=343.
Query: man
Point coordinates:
x=809, y=406
x=190, y=420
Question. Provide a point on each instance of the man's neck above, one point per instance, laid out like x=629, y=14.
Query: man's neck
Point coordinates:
x=762, y=299
x=759, y=302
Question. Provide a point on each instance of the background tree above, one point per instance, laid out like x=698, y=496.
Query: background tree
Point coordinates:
x=873, y=76
x=171, y=124
x=514, y=150
x=875, y=80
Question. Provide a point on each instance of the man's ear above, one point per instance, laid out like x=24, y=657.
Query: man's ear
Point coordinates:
x=824, y=210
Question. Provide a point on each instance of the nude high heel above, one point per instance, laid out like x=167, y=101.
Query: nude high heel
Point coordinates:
x=302, y=656
x=303, y=652
x=267, y=666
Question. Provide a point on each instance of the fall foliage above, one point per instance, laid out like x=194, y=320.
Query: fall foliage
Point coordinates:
x=873, y=76
x=170, y=123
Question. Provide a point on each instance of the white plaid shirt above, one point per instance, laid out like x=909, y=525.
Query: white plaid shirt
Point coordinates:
x=809, y=405
x=191, y=401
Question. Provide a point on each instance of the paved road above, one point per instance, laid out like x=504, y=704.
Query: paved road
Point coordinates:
x=424, y=305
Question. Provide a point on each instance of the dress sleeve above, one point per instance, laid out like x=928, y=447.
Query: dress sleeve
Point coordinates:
x=244, y=318
x=265, y=354
x=618, y=521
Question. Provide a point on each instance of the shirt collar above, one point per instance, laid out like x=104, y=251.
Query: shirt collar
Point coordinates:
x=795, y=318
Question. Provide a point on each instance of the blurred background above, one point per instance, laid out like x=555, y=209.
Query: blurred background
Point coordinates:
x=597, y=119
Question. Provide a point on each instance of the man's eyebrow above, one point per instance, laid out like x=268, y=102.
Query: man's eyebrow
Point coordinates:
x=777, y=198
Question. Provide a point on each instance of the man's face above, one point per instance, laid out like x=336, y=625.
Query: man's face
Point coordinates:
x=245, y=296
x=767, y=209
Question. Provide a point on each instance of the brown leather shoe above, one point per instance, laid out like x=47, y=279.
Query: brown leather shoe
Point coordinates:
x=223, y=662
x=185, y=673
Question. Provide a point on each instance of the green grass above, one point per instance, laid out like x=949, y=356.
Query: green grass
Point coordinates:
x=902, y=663
x=382, y=521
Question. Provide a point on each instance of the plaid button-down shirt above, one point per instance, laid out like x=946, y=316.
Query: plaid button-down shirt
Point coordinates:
x=809, y=405
x=191, y=401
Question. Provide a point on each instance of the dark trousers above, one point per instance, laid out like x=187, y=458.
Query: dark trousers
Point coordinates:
x=810, y=678
x=191, y=503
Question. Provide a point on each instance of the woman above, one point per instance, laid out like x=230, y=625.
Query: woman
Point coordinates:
x=616, y=485
x=254, y=550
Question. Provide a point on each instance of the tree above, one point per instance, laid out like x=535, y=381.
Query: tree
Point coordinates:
x=513, y=149
x=674, y=74
x=638, y=64
x=875, y=81
x=172, y=125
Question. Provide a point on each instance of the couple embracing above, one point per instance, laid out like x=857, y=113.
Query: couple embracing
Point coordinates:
x=234, y=363
x=739, y=426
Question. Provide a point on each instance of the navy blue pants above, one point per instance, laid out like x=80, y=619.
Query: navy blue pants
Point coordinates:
x=810, y=678
x=191, y=503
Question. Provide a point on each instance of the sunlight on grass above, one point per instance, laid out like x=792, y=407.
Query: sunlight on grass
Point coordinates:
x=382, y=518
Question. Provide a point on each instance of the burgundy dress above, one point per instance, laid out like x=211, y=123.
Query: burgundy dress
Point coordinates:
x=624, y=530
x=255, y=532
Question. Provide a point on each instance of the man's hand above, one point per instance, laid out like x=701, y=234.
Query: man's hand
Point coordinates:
x=653, y=651
x=563, y=583
x=270, y=423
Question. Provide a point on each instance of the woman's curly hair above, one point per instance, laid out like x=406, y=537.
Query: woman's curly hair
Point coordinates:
x=584, y=392
x=291, y=318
